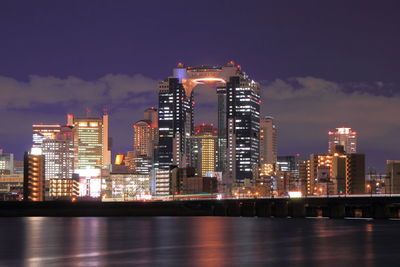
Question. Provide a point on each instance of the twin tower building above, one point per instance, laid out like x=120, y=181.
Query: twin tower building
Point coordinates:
x=238, y=127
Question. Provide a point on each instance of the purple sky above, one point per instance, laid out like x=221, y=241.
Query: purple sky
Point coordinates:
x=323, y=64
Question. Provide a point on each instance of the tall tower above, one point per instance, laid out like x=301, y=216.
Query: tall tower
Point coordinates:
x=91, y=143
x=204, y=148
x=268, y=144
x=238, y=119
x=145, y=133
x=175, y=122
x=345, y=137
x=243, y=124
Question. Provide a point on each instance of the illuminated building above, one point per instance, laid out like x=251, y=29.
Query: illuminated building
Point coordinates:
x=145, y=134
x=268, y=143
x=392, y=177
x=204, y=149
x=238, y=98
x=92, y=153
x=11, y=187
x=345, y=137
x=127, y=186
x=337, y=173
x=34, y=177
x=91, y=147
x=6, y=163
x=41, y=132
x=58, y=151
x=64, y=188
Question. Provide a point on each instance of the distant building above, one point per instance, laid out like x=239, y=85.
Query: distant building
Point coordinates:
x=58, y=151
x=6, y=163
x=34, y=177
x=345, y=137
x=204, y=145
x=337, y=173
x=126, y=186
x=11, y=187
x=91, y=148
x=392, y=177
x=268, y=141
x=92, y=154
x=145, y=133
x=64, y=188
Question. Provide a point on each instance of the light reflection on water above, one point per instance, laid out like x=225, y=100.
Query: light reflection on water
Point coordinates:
x=196, y=241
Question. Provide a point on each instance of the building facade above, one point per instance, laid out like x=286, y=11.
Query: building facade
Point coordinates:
x=268, y=141
x=345, y=137
x=34, y=177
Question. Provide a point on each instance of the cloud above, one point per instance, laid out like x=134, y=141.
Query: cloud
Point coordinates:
x=304, y=108
x=110, y=90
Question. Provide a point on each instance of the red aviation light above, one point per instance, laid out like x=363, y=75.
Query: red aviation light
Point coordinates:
x=238, y=67
x=193, y=103
x=182, y=99
x=297, y=155
x=259, y=101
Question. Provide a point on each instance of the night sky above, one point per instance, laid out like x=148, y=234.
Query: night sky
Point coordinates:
x=322, y=65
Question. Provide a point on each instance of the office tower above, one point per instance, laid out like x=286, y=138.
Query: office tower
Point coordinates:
x=58, y=151
x=174, y=122
x=392, y=183
x=355, y=173
x=6, y=163
x=34, y=177
x=91, y=152
x=345, y=137
x=268, y=143
x=91, y=149
x=242, y=120
x=145, y=133
x=204, y=149
x=41, y=132
x=243, y=126
x=222, y=145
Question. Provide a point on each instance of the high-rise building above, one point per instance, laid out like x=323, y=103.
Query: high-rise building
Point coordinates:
x=392, y=184
x=91, y=149
x=34, y=177
x=92, y=155
x=204, y=149
x=41, y=132
x=238, y=98
x=268, y=143
x=64, y=188
x=345, y=137
x=6, y=163
x=58, y=151
x=243, y=124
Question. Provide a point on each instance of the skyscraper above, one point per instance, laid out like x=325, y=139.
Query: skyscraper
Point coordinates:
x=243, y=128
x=34, y=177
x=91, y=152
x=91, y=148
x=204, y=149
x=345, y=137
x=268, y=143
x=58, y=151
x=145, y=138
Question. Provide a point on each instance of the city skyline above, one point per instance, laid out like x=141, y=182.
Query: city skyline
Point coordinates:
x=309, y=85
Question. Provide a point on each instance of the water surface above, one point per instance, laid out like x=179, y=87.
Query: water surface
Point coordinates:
x=197, y=241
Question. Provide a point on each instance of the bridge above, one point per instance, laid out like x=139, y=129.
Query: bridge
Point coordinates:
x=374, y=207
